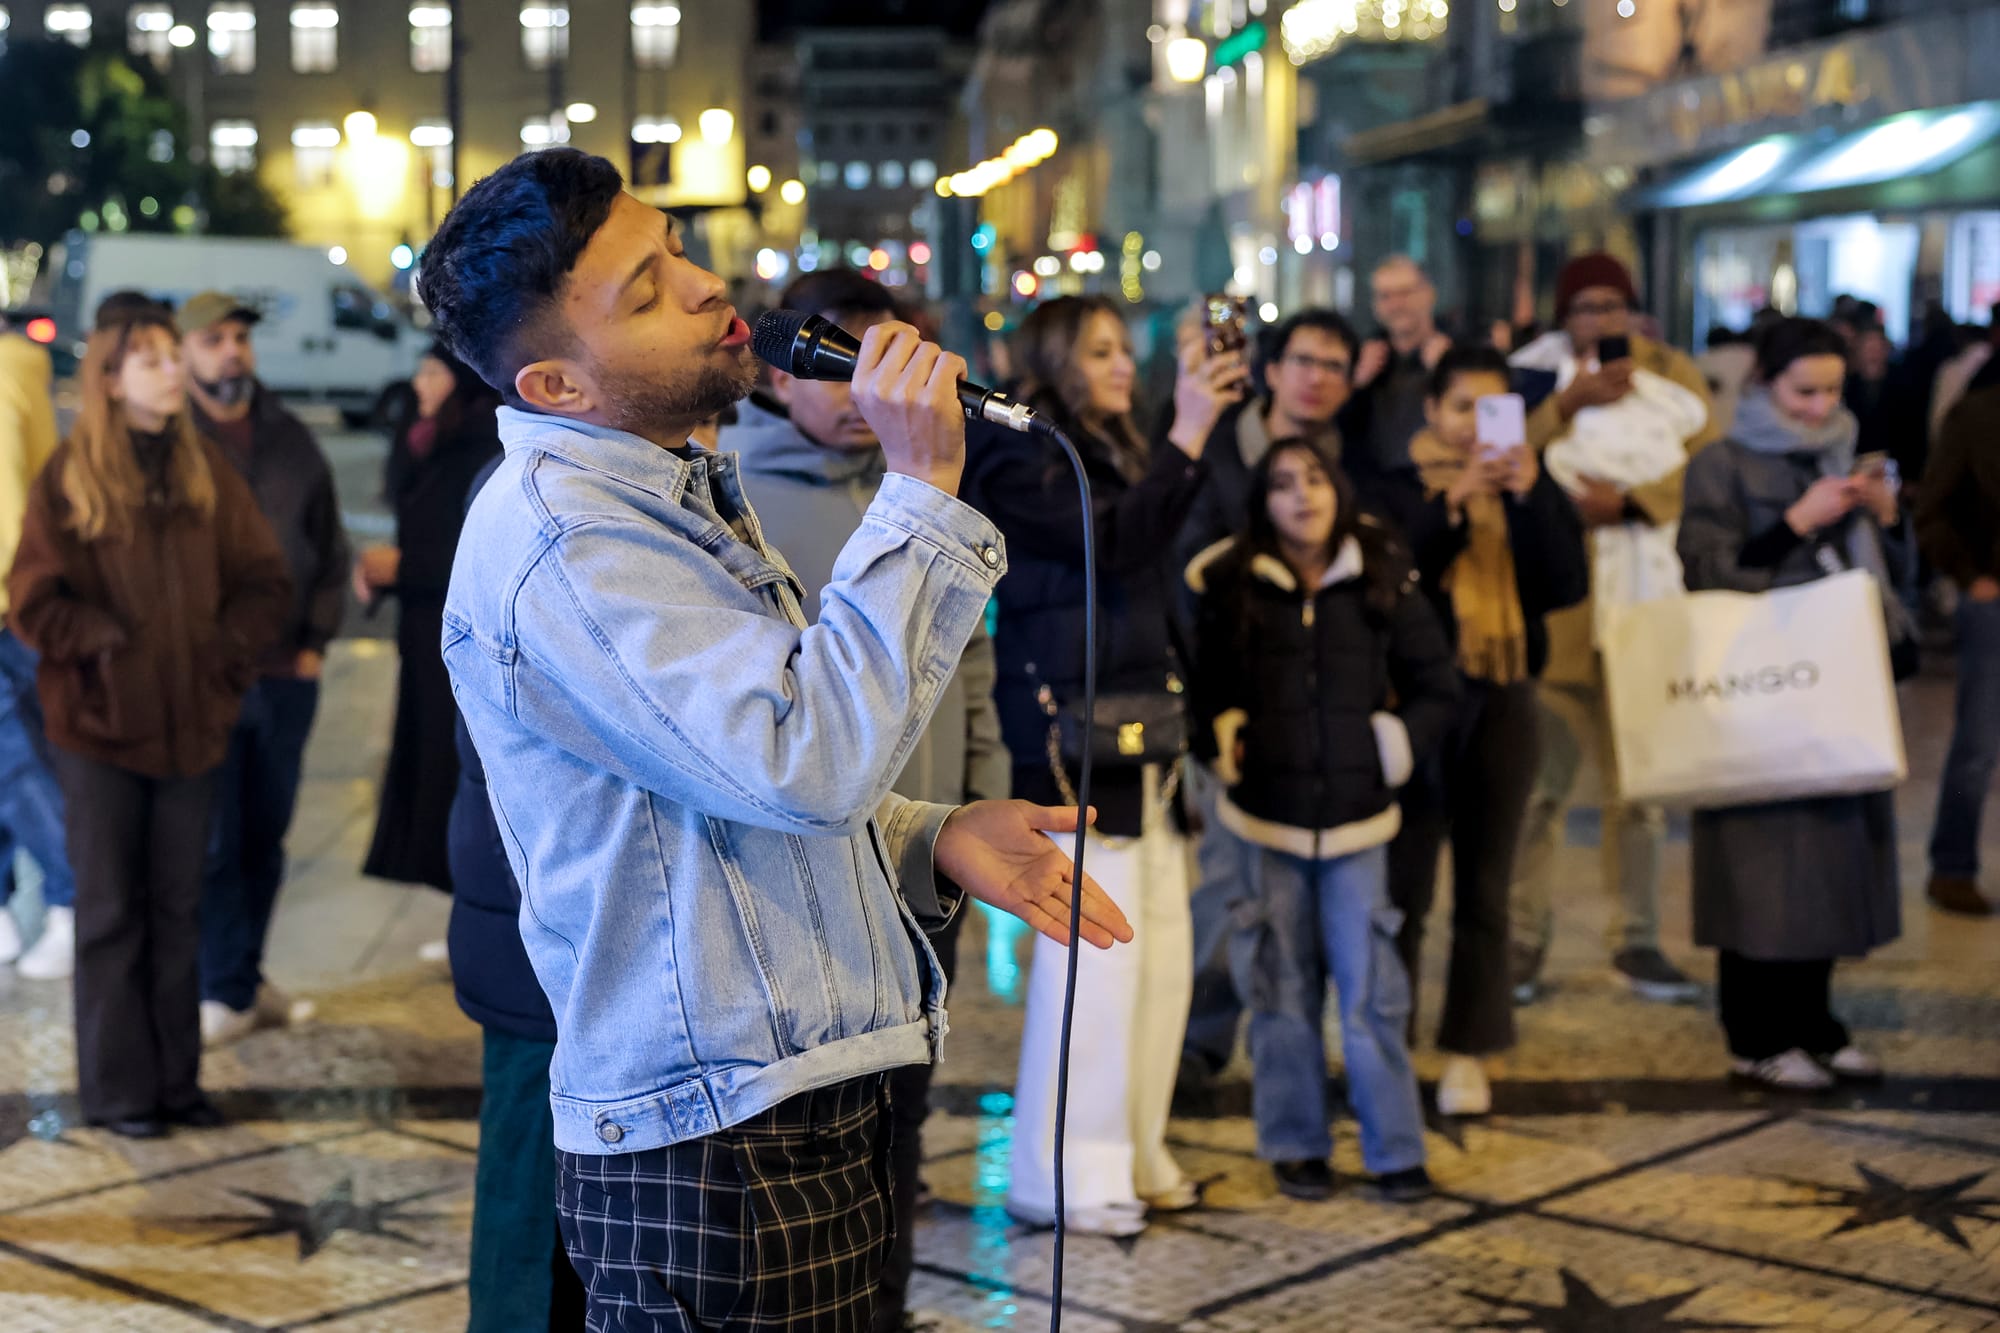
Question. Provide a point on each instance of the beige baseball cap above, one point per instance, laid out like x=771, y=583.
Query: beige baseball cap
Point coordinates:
x=205, y=310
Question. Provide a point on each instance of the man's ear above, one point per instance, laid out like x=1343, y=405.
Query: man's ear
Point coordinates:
x=780, y=383
x=556, y=387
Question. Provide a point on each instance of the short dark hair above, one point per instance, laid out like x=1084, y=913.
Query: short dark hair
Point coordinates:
x=1329, y=322
x=1791, y=340
x=491, y=275
x=838, y=294
x=1467, y=359
x=126, y=305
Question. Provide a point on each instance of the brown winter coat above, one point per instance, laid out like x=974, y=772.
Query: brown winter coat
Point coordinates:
x=148, y=641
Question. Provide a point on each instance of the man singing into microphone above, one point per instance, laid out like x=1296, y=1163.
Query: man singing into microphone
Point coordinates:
x=718, y=892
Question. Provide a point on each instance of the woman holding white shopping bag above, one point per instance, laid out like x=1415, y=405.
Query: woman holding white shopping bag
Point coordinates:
x=1783, y=889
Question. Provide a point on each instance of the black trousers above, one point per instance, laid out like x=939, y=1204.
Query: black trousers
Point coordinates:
x=137, y=845
x=1475, y=792
x=909, y=1106
x=779, y=1223
x=1770, y=1006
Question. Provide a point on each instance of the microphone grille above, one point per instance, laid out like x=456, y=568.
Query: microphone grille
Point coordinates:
x=775, y=338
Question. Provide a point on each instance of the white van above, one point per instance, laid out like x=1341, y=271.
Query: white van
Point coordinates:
x=325, y=335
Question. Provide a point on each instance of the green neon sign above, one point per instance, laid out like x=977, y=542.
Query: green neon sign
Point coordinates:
x=1240, y=43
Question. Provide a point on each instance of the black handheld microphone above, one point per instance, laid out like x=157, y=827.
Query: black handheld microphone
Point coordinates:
x=812, y=348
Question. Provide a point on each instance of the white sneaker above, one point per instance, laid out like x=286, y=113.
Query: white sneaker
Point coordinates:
x=1463, y=1089
x=1107, y=1219
x=1793, y=1071
x=53, y=956
x=277, y=1009
x=221, y=1025
x=1854, y=1064
x=10, y=937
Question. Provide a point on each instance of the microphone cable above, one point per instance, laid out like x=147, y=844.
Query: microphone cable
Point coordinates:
x=1076, y=944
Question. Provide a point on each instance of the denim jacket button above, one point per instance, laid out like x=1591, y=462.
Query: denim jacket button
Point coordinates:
x=990, y=556
x=610, y=1132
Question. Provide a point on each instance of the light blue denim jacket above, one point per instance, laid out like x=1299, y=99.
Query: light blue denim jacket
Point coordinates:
x=693, y=785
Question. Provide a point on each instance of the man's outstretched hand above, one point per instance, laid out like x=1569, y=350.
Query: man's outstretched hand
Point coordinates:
x=999, y=852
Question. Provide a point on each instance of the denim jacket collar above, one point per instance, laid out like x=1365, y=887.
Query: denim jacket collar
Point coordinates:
x=691, y=477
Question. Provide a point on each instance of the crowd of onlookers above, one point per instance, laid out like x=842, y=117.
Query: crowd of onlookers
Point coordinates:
x=1342, y=629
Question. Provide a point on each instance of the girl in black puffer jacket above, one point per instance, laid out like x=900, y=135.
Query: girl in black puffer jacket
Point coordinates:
x=1321, y=675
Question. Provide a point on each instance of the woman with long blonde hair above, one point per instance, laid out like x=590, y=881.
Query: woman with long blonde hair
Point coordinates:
x=150, y=584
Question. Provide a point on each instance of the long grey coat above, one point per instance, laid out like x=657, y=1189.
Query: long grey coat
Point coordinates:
x=1804, y=879
x=810, y=500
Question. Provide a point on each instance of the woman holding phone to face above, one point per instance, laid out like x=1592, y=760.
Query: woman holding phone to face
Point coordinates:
x=1784, y=889
x=1497, y=546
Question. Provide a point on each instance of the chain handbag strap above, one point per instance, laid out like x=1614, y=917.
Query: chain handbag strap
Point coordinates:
x=1060, y=771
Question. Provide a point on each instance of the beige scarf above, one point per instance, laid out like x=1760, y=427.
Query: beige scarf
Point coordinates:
x=1485, y=599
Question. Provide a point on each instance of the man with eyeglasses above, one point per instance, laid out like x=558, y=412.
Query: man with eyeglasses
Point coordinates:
x=1307, y=369
x=1596, y=378
x=1393, y=372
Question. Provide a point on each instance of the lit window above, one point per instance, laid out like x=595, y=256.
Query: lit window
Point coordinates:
x=544, y=33
x=313, y=142
x=232, y=36
x=315, y=37
x=891, y=174
x=433, y=139
x=430, y=37
x=923, y=173
x=541, y=131
x=232, y=145
x=146, y=32
x=70, y=23
x=656, y=34
x=656, y=129
x=856, y=175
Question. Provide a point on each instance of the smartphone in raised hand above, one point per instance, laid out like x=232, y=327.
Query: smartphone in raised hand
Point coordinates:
x=1501, y=422
x=1617, y=347
x=1226, y=320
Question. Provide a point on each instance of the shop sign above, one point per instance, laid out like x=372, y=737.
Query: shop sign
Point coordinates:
x=1511, y=199
x=1902, y=68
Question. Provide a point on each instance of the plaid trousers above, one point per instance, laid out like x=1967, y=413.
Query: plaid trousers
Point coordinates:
x=781, y=1222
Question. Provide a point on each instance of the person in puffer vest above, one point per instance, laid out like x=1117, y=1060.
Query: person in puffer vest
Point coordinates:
x=1321, y=676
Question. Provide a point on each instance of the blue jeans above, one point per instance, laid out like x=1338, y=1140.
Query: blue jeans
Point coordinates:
x=1215, y=1013
x=1975, y=742
x=1296, y=922
x=31, y=805
x=255, y=794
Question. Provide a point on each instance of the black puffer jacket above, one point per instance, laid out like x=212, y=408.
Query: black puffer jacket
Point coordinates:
x=1332, y=699
x=1026, y=487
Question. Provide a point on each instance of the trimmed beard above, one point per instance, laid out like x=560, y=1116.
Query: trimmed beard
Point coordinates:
x=646, y=407
x=230, y=390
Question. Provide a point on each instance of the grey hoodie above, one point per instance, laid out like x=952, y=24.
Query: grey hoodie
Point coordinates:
x=809, y=501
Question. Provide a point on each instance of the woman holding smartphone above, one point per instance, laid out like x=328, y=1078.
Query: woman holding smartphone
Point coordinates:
x=1786, y=888
x=1497, y=546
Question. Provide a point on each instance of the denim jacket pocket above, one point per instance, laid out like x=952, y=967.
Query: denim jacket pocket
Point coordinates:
x=724, y=838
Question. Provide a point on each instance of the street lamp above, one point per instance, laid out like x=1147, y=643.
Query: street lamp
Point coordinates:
x=759, y=178
x=360, y=125
x=793, y=192
x=1187, y=59
x=717, y=125
x=181, y=36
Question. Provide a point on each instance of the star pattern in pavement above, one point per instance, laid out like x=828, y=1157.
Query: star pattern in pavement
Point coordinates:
x=319, y=1221
x=1584, y=1311
x=1879, y=1199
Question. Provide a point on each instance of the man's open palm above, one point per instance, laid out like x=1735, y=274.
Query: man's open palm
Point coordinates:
x=1000, y=853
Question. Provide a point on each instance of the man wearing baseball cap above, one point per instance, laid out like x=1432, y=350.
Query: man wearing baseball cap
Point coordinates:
x=258, y=787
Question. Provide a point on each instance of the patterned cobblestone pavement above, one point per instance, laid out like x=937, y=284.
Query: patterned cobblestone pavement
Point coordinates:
x=1621, y=1186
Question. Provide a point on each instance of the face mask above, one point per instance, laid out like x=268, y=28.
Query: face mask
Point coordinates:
x=229, y=391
